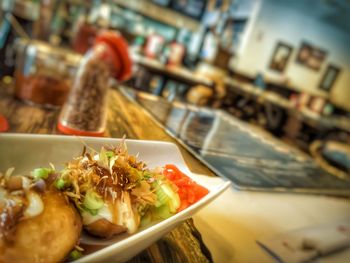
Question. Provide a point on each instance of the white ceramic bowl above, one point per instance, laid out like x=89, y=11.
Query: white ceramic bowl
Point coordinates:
x=26, y=152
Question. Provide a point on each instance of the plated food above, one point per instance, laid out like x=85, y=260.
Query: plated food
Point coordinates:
x=37, y=222
x=107, y=191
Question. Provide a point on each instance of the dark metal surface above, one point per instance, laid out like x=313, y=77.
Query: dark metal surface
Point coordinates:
x=248, y=156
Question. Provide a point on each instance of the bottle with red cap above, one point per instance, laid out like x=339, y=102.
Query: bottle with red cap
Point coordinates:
x=84, y=113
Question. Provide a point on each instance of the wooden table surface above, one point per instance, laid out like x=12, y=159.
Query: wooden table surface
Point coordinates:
x=184, y=243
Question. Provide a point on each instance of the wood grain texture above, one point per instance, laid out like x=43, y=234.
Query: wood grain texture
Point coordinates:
x=184, y=243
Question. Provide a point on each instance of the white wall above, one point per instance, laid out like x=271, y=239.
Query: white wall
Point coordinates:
x=275, y=22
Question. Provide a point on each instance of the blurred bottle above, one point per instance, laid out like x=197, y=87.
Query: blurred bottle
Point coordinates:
x=210, y=45
x=89, y=25
x=138, y=44
x=84, y=35
x=154, y=46
x=176, y=54
x=259, y=81
x=164, y=56
x=328, y=109
x=43, y=72
x=41, y=28
x=17, y=20
x=85, y=110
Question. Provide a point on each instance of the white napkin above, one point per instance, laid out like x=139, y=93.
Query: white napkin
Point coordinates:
x=307, y=244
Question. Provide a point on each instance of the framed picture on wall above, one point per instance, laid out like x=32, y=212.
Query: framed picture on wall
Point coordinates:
x=310, y=56
x=280, y=56
x=329, y=77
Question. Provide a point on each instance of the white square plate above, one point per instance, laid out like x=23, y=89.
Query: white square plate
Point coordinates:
x=26, y=152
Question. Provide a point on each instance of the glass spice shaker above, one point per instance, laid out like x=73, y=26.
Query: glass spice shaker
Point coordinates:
x=84, y=113
x=44, y=73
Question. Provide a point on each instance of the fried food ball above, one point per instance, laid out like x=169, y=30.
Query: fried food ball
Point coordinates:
x=47, y=237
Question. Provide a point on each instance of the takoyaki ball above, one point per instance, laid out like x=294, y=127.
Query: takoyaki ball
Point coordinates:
x=36, y=226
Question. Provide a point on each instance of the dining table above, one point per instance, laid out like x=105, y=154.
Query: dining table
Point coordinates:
x=229, y=228
x=124, y=118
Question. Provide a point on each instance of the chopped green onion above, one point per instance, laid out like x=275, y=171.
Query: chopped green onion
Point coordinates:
x=174, y=202
x=162, y=197
x=146, y=220
x=109, y=154
x=166, y=195
x=163, y=212
x=142, y=209
x=146, y=175
x=60, y=184
x=41, y=173
x=93, y=212
x=93, y=201
x=75, y=254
